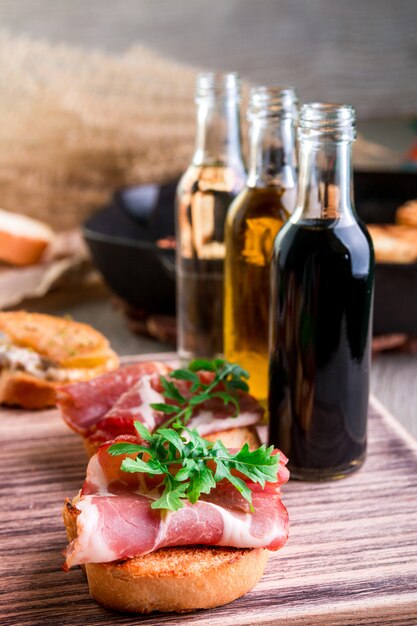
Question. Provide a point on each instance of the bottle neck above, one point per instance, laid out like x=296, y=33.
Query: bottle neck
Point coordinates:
x=325, y=189
x=218, y=139
x=272, y=160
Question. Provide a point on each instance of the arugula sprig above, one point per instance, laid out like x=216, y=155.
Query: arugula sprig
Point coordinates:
x=230, y=375
x=190, y=465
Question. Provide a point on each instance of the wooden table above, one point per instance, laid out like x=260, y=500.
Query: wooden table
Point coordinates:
x=351, y=558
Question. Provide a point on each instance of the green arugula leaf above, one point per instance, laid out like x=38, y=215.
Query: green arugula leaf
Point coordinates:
x=165, y=408
x=230, y=376
x=173, y=437
x=139, y=466
x=200, y=398
x=223, y=472
x=259, y=465
x=190, y=466
x=125, y=448
x=143, y=431
x=201, y=364
x=172, y=497
x=201, y=481
x=171, y=391
x=185, y=375
x=238, y=384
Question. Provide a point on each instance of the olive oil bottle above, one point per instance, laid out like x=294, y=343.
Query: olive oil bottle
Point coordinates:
x=321, y=324
x=214, y=178
x=252, y=223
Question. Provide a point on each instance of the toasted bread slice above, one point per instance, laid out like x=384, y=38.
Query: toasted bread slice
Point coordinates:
x=394, y=243
x=237, y=437
x=26, y=391
x=172, y=579
x=22, y=239
x=65, y=342
x=72, y=351
x=407, y=214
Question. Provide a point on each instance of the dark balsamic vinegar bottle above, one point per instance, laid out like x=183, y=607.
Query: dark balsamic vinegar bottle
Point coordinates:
x=321, y=308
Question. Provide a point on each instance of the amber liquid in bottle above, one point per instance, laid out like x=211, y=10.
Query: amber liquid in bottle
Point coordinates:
x=252, y=225
x=204, y=196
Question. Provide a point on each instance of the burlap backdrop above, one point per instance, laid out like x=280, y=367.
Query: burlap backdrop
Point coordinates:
x=75, y=125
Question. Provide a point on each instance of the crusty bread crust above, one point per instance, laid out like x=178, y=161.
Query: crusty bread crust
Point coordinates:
x=26, y=391
x=68, y=344
x=17, y=388
x=394, y=243
x=22, y=239
x=407, y=214
x=90, y=447
x=172, y=579
x=237, y=437
x=20, y=250
x=65, y=342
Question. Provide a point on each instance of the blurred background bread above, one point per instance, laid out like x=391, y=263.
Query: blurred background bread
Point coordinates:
x=407, y=214
x=394, y=243
x=23, y=240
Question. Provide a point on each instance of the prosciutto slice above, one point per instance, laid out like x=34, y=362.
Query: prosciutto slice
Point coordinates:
x=83, y=404
x=210, y=417
x=116, y=521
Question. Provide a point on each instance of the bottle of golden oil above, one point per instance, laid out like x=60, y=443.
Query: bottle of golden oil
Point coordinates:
x=214, y=178
x=252, y=223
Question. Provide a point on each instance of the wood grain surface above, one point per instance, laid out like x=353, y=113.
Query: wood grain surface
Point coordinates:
x=351, y=558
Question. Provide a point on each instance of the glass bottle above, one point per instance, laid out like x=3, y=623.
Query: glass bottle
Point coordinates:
x=252, y=223
x=205, y=191
x=321, y=308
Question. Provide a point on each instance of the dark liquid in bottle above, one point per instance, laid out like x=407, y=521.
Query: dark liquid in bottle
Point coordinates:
x=320, y=353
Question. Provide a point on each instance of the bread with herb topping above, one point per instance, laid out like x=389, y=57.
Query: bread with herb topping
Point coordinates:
x=39, y=352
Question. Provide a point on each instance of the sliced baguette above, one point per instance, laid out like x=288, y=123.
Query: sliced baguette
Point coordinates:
x=22, y=239
x=66, y=342
x=26, y=391
x=394, y=243
x=77, y=351
x=172, y=579
x=237, y=437
x=406, y=214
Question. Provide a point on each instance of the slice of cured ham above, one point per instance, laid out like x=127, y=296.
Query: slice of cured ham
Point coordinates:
x=116, y=521
x=83, y=404
x=210, y=417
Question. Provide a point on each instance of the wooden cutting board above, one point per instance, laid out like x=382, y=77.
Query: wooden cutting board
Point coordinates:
x=351, y=558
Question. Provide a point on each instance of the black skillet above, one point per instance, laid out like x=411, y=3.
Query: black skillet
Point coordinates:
x=122, y=238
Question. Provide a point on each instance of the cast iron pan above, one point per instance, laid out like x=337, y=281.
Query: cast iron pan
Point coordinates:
x=122, y=239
